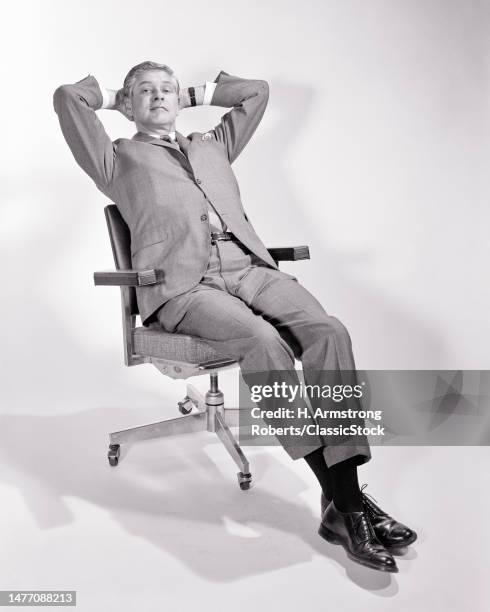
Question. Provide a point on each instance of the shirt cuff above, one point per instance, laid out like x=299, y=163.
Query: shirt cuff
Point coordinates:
x=105, y=96
x=208, y=92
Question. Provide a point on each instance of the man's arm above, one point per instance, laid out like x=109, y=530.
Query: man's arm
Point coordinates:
x=248, y=99
x=92, y=148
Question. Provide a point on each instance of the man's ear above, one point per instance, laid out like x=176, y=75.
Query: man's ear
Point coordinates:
x=129, y=109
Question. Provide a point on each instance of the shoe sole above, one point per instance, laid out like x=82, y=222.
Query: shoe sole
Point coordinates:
x=334, y=538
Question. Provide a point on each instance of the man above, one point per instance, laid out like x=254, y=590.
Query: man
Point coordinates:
x=182, y=204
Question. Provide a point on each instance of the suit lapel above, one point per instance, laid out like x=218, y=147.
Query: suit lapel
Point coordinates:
x=184, y=143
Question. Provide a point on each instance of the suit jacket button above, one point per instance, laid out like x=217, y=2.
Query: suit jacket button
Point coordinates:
x=198, y=181
x=204, y=217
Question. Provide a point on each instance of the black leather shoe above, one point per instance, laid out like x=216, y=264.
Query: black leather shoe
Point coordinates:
x=355, y=533
x=389, y=532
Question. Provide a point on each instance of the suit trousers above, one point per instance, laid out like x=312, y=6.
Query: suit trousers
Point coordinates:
x=264, y=318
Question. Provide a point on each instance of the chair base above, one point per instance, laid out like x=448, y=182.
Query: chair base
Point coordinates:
x=201, y=413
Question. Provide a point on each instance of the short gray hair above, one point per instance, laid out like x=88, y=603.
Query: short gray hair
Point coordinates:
x=132, y=75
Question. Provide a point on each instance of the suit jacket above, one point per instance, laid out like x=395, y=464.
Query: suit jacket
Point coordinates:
x=161, y=192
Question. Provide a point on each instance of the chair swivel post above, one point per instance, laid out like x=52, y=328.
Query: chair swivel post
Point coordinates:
x=214, y=399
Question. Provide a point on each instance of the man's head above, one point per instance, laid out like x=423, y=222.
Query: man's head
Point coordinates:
x=151, y=96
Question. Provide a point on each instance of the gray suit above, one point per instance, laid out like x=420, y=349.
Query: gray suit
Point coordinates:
x=161, y=192
x=233, y=296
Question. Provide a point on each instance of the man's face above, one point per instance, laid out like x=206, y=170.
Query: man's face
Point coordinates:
x=154, y=100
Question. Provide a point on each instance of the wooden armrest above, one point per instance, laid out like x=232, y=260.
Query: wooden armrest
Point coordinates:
x=128, y=278
x=290, y=253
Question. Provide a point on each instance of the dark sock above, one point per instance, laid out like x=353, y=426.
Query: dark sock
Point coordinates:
x=339, y=482
x=316, y=461
x=347, y=496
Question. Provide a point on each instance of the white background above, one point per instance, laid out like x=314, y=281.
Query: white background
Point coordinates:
x=373, y=151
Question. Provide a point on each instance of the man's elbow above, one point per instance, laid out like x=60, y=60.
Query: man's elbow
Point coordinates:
x=261, y=93
x=263, y=89
x=60, y=96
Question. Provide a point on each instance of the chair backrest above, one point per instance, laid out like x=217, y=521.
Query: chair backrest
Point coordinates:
x=120, y=237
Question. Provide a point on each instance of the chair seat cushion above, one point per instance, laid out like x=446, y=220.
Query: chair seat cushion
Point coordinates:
x=154, y=341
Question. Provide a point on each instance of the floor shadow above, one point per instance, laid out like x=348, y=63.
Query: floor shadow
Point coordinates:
x=171, y=493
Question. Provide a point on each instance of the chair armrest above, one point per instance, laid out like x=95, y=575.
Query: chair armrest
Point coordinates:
x=290, y=253
x=128, y=278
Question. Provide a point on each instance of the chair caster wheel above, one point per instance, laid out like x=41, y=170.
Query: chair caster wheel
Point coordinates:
x=113, y=454
x=244, y=480
x=185, y=406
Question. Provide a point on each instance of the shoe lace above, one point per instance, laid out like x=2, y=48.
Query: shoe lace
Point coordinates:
x=363, y=528
x=369, y=501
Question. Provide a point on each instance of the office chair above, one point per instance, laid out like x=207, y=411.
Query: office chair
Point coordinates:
x=174, y=355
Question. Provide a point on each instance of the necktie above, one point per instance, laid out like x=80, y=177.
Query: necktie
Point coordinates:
x=167, y=138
